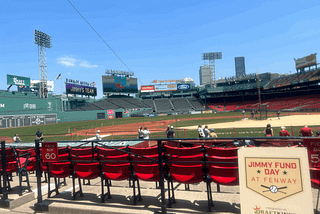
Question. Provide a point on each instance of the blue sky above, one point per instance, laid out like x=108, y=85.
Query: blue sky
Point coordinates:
x=160, y=40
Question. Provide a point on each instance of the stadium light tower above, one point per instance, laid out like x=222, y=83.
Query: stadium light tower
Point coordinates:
x=43, y=41
x=212, y=56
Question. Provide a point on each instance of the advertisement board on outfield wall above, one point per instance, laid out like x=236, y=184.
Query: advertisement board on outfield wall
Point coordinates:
x=306, y=61
x=110, y=111
x=195, y=112
x=18, y=80
x=147, y=88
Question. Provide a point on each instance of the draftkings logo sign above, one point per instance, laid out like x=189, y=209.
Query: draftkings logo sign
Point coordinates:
x=258, y=210
x=274, y=178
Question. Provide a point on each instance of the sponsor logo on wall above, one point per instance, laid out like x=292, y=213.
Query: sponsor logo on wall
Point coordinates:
x=29, y=106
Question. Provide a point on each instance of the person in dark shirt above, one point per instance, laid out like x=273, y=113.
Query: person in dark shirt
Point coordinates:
x=140, y=134
x=39, y=135
x=167, y=130
x=268, y=132
x=278, y=114
x=171, y=133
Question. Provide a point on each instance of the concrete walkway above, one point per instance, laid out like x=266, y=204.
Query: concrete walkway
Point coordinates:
x=192, y=201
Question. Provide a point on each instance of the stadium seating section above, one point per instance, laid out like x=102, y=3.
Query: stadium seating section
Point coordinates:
x=291, y=79
x=165, y=105
x=286, y=103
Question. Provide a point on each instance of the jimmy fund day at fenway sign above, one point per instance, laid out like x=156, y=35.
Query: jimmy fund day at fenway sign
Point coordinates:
x=274, y=180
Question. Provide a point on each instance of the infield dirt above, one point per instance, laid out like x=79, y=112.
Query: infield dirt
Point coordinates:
x=294, y=120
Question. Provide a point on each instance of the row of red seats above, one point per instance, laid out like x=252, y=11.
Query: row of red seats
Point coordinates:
x=183, y=165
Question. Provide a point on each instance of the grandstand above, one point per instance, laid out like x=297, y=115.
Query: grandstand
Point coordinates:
x=290, y=92
x=295, y=92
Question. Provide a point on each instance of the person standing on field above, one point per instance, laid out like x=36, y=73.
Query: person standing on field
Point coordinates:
x=278, y=114
x=39, y=135
x=305, y=132
x=268, y=132
x=213, y=134
x=98, y=135
x=283, y=132
x=206, y=131
x=171, y=133
x=140, y=134
x=200, y=131
x=146, y=133
x=167, y=130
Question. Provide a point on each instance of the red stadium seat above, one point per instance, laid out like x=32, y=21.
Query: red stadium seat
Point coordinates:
x=57, y=170
x=115, y=165
x=186, y=151
x=83, y=166
x=185, y=165
x=31, y=164
x=11, y=166
x=315, y=181
x=224, y=175
x=144, y=151
x=223, y=152
x=145, y=163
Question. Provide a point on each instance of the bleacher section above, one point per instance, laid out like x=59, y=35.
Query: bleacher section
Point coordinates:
x=286, y=103
x=166, y=105
x=163, y=105
x=196, y=104
x=291, y=79
x=182, y=104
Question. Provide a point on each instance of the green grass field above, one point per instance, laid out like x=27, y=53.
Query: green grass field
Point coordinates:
x=62, y=131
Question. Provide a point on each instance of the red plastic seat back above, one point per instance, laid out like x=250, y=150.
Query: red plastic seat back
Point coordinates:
x=81, y=151
x=223, y=152
x=83, y=154
x=144, y=151
x=31, y=151
x=186, y=151
x=146, y=160
x=315, y=177
x=9, y=155
x=223, y=161
x=186, y=160
x=60, y=170
x=111, y=152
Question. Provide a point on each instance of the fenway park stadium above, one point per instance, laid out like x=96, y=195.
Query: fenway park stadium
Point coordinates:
x=33, y=103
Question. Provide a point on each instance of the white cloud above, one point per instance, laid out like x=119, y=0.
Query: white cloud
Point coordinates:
x=86, y=64
x=67, y=61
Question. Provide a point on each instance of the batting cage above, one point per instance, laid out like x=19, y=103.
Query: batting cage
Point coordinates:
x=263, y=109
